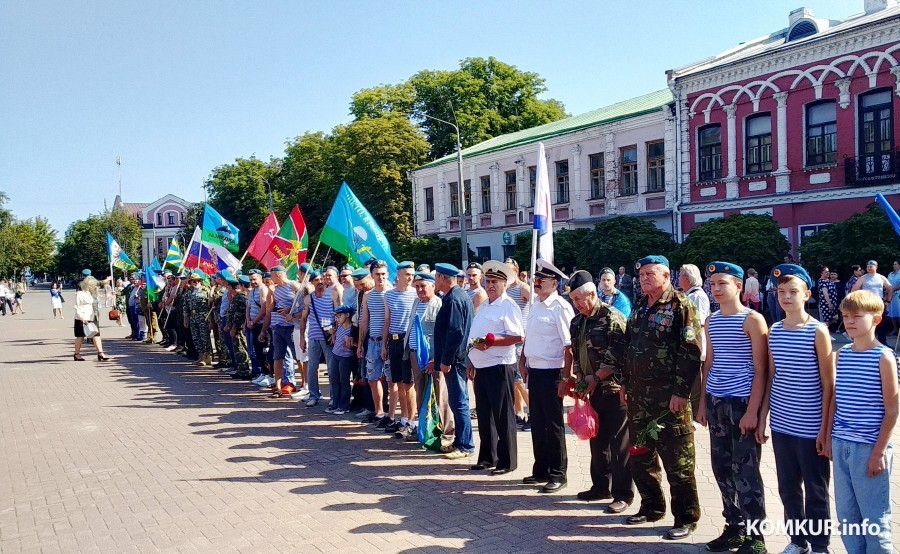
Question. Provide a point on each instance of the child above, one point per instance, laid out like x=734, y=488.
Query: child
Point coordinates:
x=865, y=409
x=342, y=360
x=801, y=387
x=734, y=377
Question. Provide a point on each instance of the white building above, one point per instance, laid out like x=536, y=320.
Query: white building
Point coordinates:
x=605, y=163
x=160, y=222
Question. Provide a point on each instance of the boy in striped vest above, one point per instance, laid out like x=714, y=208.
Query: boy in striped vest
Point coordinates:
x=734, y=380
x=865, y=413
x=798, y=404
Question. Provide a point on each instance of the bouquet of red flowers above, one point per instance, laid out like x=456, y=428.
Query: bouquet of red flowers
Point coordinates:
x=488, y=341
x=650, y=431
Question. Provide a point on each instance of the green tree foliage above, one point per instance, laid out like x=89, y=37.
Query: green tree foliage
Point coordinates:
x=27, y=243
x=84, y=244
x=382, y=100
x=621, y=241
x=748, y=240
x=861, y=237
x=239, y=192
x=568, y=247
x=429, y=249
x=306, y=179
x=6, y=216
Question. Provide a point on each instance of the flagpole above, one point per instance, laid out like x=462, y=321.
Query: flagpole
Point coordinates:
x=534, y=239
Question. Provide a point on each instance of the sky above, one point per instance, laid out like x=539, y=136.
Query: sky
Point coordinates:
x=177, y=88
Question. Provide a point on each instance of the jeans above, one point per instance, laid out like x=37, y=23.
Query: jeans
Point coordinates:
x=251, y=350
x=339, y=370
x=458, y=398
x=317, y=349
x=283, y=348
x=229, y=345
x=775, y=311
x=859, y=497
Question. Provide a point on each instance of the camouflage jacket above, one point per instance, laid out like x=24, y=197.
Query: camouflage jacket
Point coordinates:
x=662, y=356
x=215, y=300
x=602, y=335
x=236, y=315
x=196, y=302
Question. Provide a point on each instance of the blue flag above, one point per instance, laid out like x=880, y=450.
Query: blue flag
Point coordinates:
x=892, y=215
x=352, y=231
x=423, y=353
x=218, y=230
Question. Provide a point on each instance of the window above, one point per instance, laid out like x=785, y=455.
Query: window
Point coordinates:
x=656, y=166
x=810, y=230
x=628, y=186
x=759, y=143
x=467, y=198
x=509, y=251
x=454, y=199
x=876, y=133
x=710, y=153
x=562, y=182
x=511, y=190
x=821, y=133
x=532, y=182
x=182, y=218
x=160, y=245
x=429, y=204
x=485, y=194
x=598, y=176
x=171, y=218
x=484, y=252
x=159, y=219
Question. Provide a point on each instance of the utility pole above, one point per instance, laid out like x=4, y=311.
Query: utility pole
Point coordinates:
x=119, y=173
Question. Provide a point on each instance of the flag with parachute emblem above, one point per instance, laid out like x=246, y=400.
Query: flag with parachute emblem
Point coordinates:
x=218, y=230
x=118, y=258
x=259, y=246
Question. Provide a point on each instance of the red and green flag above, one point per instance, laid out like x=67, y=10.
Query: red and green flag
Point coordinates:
x=291, y=243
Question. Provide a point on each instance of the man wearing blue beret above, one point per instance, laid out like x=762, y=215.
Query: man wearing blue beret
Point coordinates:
x=662, y=359
x=451, y=333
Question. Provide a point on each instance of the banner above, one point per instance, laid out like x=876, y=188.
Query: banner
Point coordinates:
x=174, y=256
x=543, y=220
x=352, y=231
x=291, y=243
x=219, y=231
x=118, y=258
x=155, y=283
x=209, y=258
x=259, y=246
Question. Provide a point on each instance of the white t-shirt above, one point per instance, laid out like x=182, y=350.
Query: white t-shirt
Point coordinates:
x=547, y=332
x=502, y=317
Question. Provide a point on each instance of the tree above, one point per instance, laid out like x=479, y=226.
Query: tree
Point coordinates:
x=28, y=243
x=6, y=216
x=239, y=192
x=307, y=179
x=621, y=241
x=748, y=240
x=861, y=237
x=429, y=249
x=84, y=244
x=567, y=249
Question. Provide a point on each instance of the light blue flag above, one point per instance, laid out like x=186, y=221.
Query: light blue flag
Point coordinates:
x=118, y=258
x=892, y=215
x=218, y=230
x=423, y=352
x=352, y=231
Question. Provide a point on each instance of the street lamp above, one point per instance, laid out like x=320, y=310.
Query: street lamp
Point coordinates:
x=461, y=195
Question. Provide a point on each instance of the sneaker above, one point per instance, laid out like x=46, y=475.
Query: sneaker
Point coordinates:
x=256, y=380
x=526, y=426
x=752, y=545
x=300, y=395
x=795, y=549
x=731, y=538
x=339, y=411
x=363, y=414
x=372, y=418
x=268, y=381
x=457, y=454
x=402, y=432
x=171, y=348
x=413, y=435
x=329, y=410
x=520, y=420
x=312, y=402
x=393, y=427
x=384, y=422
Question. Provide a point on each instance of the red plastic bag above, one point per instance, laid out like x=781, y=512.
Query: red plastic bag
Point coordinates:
x=583, y=420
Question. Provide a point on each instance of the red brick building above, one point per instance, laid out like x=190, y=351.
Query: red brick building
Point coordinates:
x=800, y=124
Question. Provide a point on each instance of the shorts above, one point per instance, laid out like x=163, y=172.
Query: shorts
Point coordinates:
x=374, y=363
x=302, y=356
x=401, y=370
x=280, y=346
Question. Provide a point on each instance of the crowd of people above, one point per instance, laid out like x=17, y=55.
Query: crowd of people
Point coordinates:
x=656, y=357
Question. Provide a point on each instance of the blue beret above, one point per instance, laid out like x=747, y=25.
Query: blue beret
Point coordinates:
x=183, y=277
x=345, y=310
x=604, y=270
x=167, y=273
x=304, y=267
x=277, y=268
x=424, y=276
x=360, y=273
x=267, y=275
x=228, y=276
x=347, y=266
x=86, y=272
x=474, y=265
x=449, y=270
x=424, y=268
x=239, y=272
x=314, y=274
x=726, y=268
x=784, y=270
x=254, y=272
x=647, y=260
x=405, y=265
x=244, y=280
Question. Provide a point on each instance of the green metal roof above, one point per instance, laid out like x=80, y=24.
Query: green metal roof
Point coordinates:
x=629, y=108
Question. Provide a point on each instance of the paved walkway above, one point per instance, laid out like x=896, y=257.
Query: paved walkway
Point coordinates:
x=147, y=453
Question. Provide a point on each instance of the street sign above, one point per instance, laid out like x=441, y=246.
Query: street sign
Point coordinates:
x=507, y=237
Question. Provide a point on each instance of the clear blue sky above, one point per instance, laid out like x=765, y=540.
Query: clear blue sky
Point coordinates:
x=177, y=88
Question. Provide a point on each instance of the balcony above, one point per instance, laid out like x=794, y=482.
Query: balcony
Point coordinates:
x=872, y=169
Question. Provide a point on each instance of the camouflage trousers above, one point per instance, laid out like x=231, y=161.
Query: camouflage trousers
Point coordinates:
x=675, y=448
x=219, y=338
x=735, y=460
x=241, y=355
x=200, y=334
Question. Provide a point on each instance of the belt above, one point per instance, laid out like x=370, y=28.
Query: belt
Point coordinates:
x=398, y=336
x=375, y=339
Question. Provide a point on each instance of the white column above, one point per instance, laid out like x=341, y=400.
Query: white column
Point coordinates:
x=441, y=199
x=496, y=185
x=474, y=195
x=611, y=168
x=575, y=178
x=731, y=180
x=782, y=181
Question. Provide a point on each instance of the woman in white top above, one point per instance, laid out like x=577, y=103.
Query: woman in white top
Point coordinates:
x=87, y=310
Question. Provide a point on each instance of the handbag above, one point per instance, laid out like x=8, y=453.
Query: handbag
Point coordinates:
x=90, y=329
x=114, y=315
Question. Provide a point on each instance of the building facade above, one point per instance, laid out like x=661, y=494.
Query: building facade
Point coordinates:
x=799, y=124
x=160, y=222
x=608, y=162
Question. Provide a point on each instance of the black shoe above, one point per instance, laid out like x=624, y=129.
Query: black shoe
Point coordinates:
x=532, y=480
x=371, y=419
x=553, y=486
x=384, y=422
x=520, y=421
x=591, y=494
x=641, y=518
x=617, y=507
x=393, y=427
x=481, y=466
x=502, y=470
x=732, y=537
x=680, y=532
x=753, y=545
